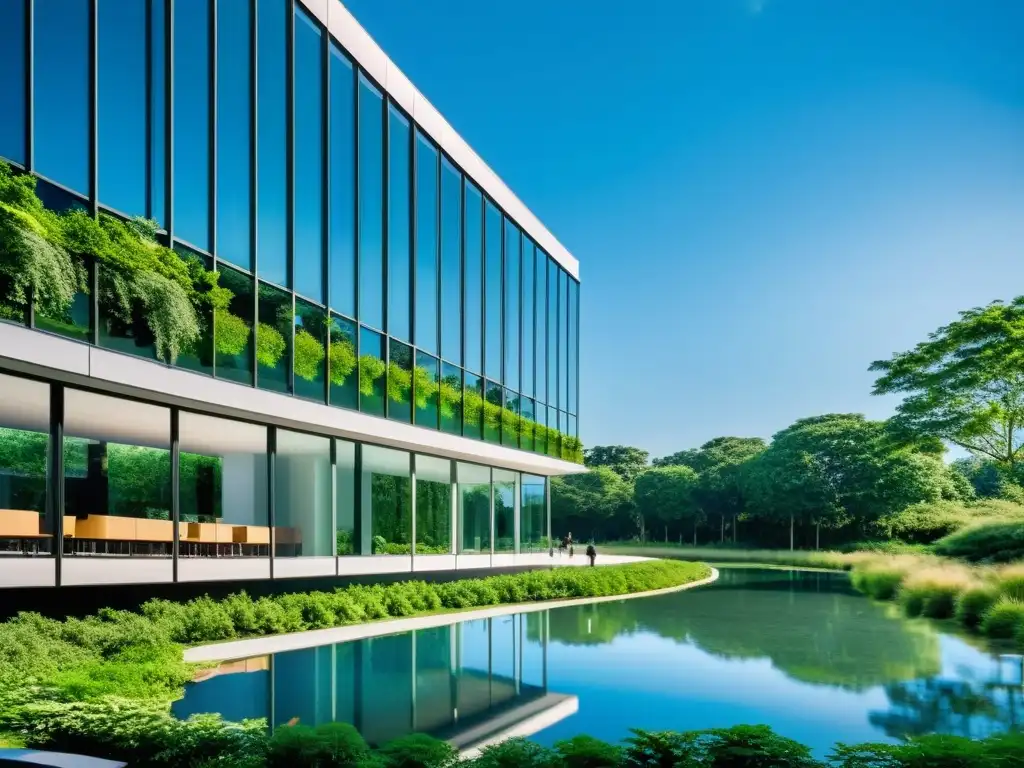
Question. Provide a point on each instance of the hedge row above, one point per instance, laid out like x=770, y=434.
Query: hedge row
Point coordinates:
x=149, y=737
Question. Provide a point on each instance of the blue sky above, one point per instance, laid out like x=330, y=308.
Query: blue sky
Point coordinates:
x=764, y=195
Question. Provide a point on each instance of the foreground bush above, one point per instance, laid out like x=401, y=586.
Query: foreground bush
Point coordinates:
x=156, y=740
x=928, y=522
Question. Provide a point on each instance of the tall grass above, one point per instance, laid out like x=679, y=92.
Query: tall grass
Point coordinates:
x=985, y=599
x=799, y=558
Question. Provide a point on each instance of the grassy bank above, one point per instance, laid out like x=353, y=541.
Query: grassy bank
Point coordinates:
x=799, y=558
x=988, y=600
x=103, y=685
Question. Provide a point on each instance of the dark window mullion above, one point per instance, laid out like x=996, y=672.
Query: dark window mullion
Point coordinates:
x=93, y=107
x=29, y=84
x=253, y=184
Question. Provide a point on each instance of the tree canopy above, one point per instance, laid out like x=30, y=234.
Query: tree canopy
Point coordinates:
x=668, y=496
x=965, y=384
x=626, y=461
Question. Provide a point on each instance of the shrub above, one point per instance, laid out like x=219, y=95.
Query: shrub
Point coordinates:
x=299, y=746
x=928, y=522
x=204, y=620
x=878, y=581
x=588, y=752
x=1011, y=582
x=418, y=751
x=932, y=592
x=1003, y=618
x=994, y=542
x=751, y=746
x=516, y=753
x=658, y=748
x=972, y=603
x=242, y=611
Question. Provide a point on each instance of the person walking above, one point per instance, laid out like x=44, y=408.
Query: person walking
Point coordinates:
x=592, y=554
x=569, y=543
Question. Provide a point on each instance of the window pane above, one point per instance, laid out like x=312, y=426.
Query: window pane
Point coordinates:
x=554, y=433
x=62, y=113
x=234, y=328
x=310, y=337
x=343, y=184
x=451, y=263
x=510, y=420
x=400, y=381
x=527, y=424
x=474, y=508
x=122, y=105
x=540, y=430
x=573, y=343
x=492, y=412
x=504, y=510
x=563, y=340
x=553, y=316
x=371, y=203
x=371, y=372
x=565, y=443
x=572, y=430
x=512, y=295
x=272, y=169
x=200, y=357
x=303, y=491
x=13, y=76
x=426, y=245
x=117, y=464
x=233, y=132
x=387, y=502
x=192, y=122
x=433, y=506
x=529, y=318
x=123, y=330
x=309, y=159
x=24, y=447
x=541, y=275
x=473, y=406
x=492, y=296
x=345, y=496
x=532, y=519
x=158, y=107
x=426, y=386
x=451, y=399
x=274, y=339
x=399, y=241
x=344, y=379
x=223, y=479
x=474, y=279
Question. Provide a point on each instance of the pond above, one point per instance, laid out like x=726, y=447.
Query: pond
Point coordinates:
x=799, y=651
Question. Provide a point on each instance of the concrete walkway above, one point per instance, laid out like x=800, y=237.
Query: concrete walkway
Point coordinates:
x=259, y=646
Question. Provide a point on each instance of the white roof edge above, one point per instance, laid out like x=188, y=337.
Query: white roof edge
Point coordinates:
x=357, y=42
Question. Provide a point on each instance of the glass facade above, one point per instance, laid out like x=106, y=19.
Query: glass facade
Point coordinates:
x=146, y=480
x=360, y=265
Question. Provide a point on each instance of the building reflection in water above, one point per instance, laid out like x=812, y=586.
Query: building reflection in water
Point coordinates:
x=471, y=683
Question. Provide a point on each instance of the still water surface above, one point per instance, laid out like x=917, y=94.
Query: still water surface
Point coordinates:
x=798, y=651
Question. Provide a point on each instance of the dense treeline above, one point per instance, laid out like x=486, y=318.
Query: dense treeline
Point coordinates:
x=838, y=478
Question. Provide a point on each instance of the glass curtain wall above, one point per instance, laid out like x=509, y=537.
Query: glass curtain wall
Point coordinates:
x=474, y=489
x=222, y=487
x=433, y=506
x=303, y=496
x=504, y=510
x=533, y=529
x=331, y=217
x=117, y=475
x=345, y=497
x=386, y=503
x=24, y=453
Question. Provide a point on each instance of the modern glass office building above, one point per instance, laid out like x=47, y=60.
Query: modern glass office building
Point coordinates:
x=263, y=313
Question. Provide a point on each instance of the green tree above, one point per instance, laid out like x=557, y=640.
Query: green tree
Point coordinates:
x=668, y=496
x=965, y=384
x=832, y=469
x=627, y=462
x=598, y=502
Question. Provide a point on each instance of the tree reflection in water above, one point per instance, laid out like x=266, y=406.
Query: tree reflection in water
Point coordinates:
x=967, y=706
x=812, y=627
